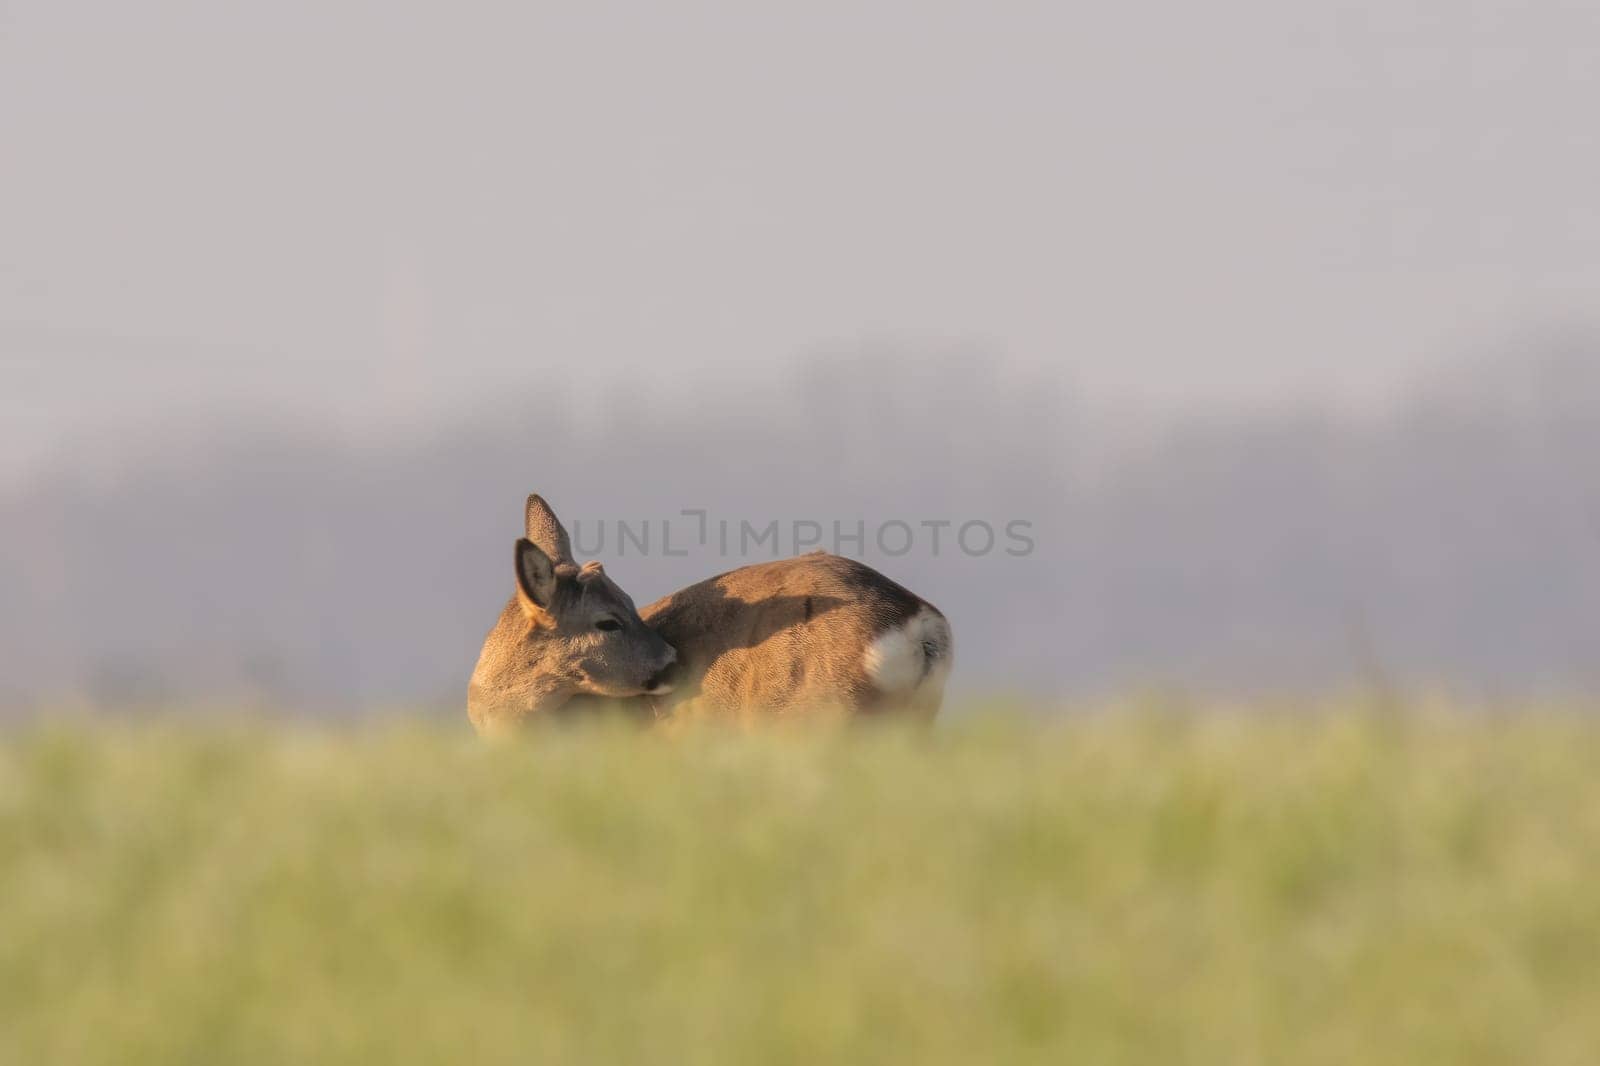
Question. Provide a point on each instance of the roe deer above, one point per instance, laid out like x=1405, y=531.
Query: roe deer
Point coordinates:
x=815, y=632
x=568, y=631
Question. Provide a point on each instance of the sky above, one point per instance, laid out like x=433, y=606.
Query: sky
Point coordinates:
x=1199, y=289
x=372, y=213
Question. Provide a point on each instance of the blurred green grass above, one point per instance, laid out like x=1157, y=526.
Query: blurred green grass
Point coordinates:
x=1113, y=888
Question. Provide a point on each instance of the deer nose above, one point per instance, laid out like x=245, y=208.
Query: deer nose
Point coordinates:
x=660, y=682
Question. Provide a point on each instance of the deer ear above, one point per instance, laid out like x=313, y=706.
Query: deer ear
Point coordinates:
x=546, y=530
x=536, y=579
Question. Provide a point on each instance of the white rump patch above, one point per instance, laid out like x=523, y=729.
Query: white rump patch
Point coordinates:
x=910, y=655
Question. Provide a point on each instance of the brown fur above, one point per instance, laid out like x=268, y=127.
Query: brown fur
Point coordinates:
x=783, y=637
x=816, y=633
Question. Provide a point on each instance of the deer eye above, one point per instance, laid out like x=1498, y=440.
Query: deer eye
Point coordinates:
x=608, y=625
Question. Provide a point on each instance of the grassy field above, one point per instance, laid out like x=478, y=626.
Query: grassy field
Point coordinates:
x=1117, y=888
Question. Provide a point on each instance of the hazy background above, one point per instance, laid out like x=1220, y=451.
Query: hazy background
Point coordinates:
x=1278, y=322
